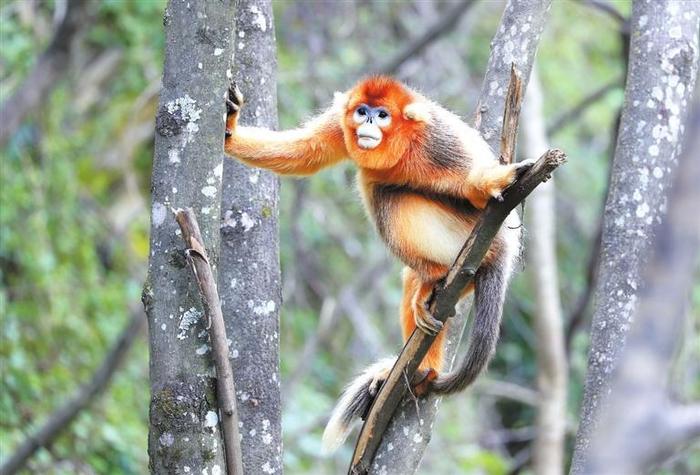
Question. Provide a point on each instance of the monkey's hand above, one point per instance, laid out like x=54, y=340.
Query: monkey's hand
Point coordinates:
x=234, y=102
x=491, y=182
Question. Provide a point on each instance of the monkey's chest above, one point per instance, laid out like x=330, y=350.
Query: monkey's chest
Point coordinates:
x=417, y=226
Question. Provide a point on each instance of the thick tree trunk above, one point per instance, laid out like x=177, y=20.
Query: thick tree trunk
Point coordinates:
x=642, y=424
x=249, y=271
x=409, y=432
x=662, y=71
x=548, y=452
x=187, y=170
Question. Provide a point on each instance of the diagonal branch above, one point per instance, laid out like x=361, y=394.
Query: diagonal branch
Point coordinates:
x=226, y=393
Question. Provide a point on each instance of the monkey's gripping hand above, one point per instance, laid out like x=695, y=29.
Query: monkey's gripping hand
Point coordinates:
x=234, y=102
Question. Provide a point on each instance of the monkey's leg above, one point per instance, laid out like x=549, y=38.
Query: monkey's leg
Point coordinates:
x=414, y=313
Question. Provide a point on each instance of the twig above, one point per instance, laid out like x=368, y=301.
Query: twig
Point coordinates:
x=226, y=393
x=442, y=26
x=63, y=416
x=511, y=113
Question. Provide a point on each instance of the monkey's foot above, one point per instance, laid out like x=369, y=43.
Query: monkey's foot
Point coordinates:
x=425, y=320
x=234, y=102
x=422, y=380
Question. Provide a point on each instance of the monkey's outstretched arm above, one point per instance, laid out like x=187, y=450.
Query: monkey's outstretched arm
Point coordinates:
x=301, y=151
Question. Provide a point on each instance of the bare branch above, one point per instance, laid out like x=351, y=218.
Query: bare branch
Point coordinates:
x=60, y=419
x=507, y=390
x=511, y=113
x=226, y=392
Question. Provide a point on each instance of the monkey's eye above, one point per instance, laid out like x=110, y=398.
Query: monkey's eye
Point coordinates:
x=360, y=115
x=383, y=118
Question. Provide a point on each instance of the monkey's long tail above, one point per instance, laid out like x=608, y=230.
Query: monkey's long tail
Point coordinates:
x=489, y=294
x=354, y=403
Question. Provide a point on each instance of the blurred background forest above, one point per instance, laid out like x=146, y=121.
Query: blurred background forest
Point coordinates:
x=74, y=223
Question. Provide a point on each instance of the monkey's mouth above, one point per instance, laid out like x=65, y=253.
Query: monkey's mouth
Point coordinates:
x=368, y=141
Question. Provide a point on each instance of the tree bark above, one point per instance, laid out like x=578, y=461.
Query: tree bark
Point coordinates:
x=187, y=171
x=641, y=424
x=662, y=71
x=515, y=42
x=409, y=432
x=548, y=451
x=249, y=277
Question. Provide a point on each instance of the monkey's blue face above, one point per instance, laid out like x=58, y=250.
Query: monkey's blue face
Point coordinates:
x=370, y=122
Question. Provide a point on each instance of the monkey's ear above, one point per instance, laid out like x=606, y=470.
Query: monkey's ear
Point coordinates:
x=340, y=100
x=417, y=111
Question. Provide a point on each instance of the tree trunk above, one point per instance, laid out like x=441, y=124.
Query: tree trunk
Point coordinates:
x=641, y=424
x=407, y=436
x=662, y=70
x=249, y=271
x=548, y=451
x=187, y=170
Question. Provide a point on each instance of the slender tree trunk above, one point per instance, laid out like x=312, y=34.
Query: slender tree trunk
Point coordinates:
x=249, y=274
x=662, y=71
x=552, y=369
x=409, y=432
x=187, y=169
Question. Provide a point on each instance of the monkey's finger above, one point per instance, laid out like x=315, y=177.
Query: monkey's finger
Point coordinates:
x=429, y=324
x=235, y=94
x=232, y=107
